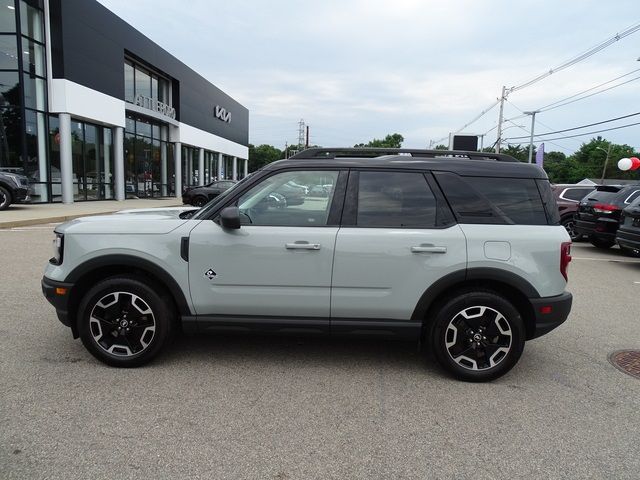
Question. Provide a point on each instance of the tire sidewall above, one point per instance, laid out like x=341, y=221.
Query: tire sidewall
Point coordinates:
x=161, y=311
x=5, y=194
x=472, y=299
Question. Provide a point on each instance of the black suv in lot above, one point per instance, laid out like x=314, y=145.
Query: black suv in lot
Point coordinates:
x=13, y=188
x=628, y=236
x=598, y=214
x=199, y=196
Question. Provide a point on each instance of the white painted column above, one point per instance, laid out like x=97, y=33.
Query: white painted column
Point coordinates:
x=106, y=163
x=118, y=162
x=201, y=167
x=220, y=160
x=246, y=167
x=177, y=155
x=163, y=162
x=66, y=162
x=235, y=168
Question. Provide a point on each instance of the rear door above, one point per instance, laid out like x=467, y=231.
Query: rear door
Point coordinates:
x=397, y=238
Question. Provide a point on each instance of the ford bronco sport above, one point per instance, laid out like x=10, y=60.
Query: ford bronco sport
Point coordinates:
x=462, y=251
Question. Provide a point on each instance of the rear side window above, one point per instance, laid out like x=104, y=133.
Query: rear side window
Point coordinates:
x=632, y=197
x=395, y=199
x=575, y=194
x=517, y=198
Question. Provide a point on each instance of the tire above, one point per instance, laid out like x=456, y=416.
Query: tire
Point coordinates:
x=105, y=308
x=601, y=243
x=199, y=201
x=5, y=198
x=477, y=335
x=569, y=224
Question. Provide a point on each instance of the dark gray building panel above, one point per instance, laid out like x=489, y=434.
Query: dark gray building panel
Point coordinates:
x=88, y=44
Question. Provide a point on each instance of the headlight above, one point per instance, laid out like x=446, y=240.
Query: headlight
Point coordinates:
x=15, y=178
x=58, y=248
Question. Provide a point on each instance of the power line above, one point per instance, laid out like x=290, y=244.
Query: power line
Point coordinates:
x=529, y=132
x=588, y=133
x=583, y=56
x=582, y=126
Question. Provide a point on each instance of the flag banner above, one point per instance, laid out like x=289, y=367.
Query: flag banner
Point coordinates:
x=540, y=155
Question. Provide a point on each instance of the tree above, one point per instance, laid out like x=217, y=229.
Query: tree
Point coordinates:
x=262, y=155
x=442, y=147
x=393, y=140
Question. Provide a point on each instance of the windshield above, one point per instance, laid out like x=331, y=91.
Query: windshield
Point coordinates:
x=211, y=205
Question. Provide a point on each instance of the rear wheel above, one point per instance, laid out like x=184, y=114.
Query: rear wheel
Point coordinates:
x=601, y=243
x=125, y=321
x=5, y=198
x=477, y=336
x=569, y=224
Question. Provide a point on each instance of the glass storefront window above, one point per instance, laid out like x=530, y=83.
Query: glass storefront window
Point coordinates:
x=143, y=82
x=33, y=58
x=9, y=88
x=7, y=16
x=8, y=52
x=31, y=22
x=34, y=92
x=10, y=131
x=140, y=81
x=129, y=88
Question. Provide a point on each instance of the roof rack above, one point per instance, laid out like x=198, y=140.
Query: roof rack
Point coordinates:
x=365, y=152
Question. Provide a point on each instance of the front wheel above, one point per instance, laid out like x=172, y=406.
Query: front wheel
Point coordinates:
x=5, y=198
x=124, y=321
x=477, y=336
x=199, y=201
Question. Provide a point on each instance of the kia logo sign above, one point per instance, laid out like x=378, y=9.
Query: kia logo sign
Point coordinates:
x=222, y=114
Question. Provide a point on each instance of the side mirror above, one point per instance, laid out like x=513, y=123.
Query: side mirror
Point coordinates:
x=230, y=218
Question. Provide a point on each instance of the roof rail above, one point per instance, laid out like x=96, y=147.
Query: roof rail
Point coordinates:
x=367, y=152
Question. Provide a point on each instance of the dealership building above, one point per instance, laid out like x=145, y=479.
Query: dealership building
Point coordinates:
x=91, y=109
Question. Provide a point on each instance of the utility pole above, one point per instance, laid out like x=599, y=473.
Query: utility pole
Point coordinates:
x=306, y=143
x=482, y=141
x=286, y=149
x=503, y=97
x=606, y=160
x=300, y=134
x=533, y=124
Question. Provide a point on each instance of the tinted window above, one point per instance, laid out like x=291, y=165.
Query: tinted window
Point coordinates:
x=516, y=198
x=468, y=205
x=576, y=194
x=395, y=199
x=549, y=201
x=633, y=196
x=270, y=202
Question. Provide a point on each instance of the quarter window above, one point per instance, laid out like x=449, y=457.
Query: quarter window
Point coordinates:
x=287, y=199
x=395, y=199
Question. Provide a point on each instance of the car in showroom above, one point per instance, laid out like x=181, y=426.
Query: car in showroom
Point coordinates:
x=460, y=252
x=598, y=215
x=14, y=188
x=568, y=198
x=628, y=234
x=199, y=196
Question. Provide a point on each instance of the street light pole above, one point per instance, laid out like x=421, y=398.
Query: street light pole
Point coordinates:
x=503, y=97
x=606, y=160
x=533, y=124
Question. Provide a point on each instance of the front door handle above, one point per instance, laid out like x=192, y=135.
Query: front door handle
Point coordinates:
x=429, y=249
x=302, y=246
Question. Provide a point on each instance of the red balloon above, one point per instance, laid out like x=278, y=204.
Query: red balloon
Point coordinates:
x=635, y=163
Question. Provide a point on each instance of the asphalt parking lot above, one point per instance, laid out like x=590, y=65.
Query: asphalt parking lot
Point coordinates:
x=285, y=408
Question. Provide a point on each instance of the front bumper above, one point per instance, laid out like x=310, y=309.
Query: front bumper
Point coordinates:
x=52, y=291
x=21, y=194
x=560, y=306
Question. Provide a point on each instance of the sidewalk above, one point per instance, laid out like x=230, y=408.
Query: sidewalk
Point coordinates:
x=19, y=215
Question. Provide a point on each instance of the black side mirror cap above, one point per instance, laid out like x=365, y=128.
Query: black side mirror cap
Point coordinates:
x=230, y=218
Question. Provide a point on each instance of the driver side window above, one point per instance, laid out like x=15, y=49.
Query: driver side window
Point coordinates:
x=292, y=199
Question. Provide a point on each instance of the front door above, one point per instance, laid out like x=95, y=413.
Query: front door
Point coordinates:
x=278, y=264
x=398, y=240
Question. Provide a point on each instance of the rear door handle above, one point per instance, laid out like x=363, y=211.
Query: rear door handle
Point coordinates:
x=429, y=249
x=302, y=246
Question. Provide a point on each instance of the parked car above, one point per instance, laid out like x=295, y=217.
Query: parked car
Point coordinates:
x=199, y=196
x=14, y=188
x=598, y=214
x=628, y=235
x=463, y=254
x=568, y=198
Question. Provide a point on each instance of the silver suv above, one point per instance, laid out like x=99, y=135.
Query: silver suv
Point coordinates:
x=462, y=251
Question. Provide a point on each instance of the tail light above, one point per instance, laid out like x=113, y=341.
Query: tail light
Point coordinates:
x=604, y=208
x=565, y=258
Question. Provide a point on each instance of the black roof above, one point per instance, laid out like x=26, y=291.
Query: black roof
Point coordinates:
x=479, y=164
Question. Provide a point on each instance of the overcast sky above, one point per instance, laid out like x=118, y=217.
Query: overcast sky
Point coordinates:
x=360, y=69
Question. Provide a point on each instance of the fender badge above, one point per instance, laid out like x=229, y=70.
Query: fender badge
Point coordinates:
x=210, y=274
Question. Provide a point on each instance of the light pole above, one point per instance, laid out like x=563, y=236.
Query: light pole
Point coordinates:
x=606, y=160
x=533, y=124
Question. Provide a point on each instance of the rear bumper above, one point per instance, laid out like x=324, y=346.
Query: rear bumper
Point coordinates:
x=628, y=238
x=559, y=311
x=604, y=228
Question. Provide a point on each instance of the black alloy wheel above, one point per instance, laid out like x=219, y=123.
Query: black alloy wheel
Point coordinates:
x=199, y=201
x=125, y=322
x=5, y=198
x=570, y=226
x=478, y=336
